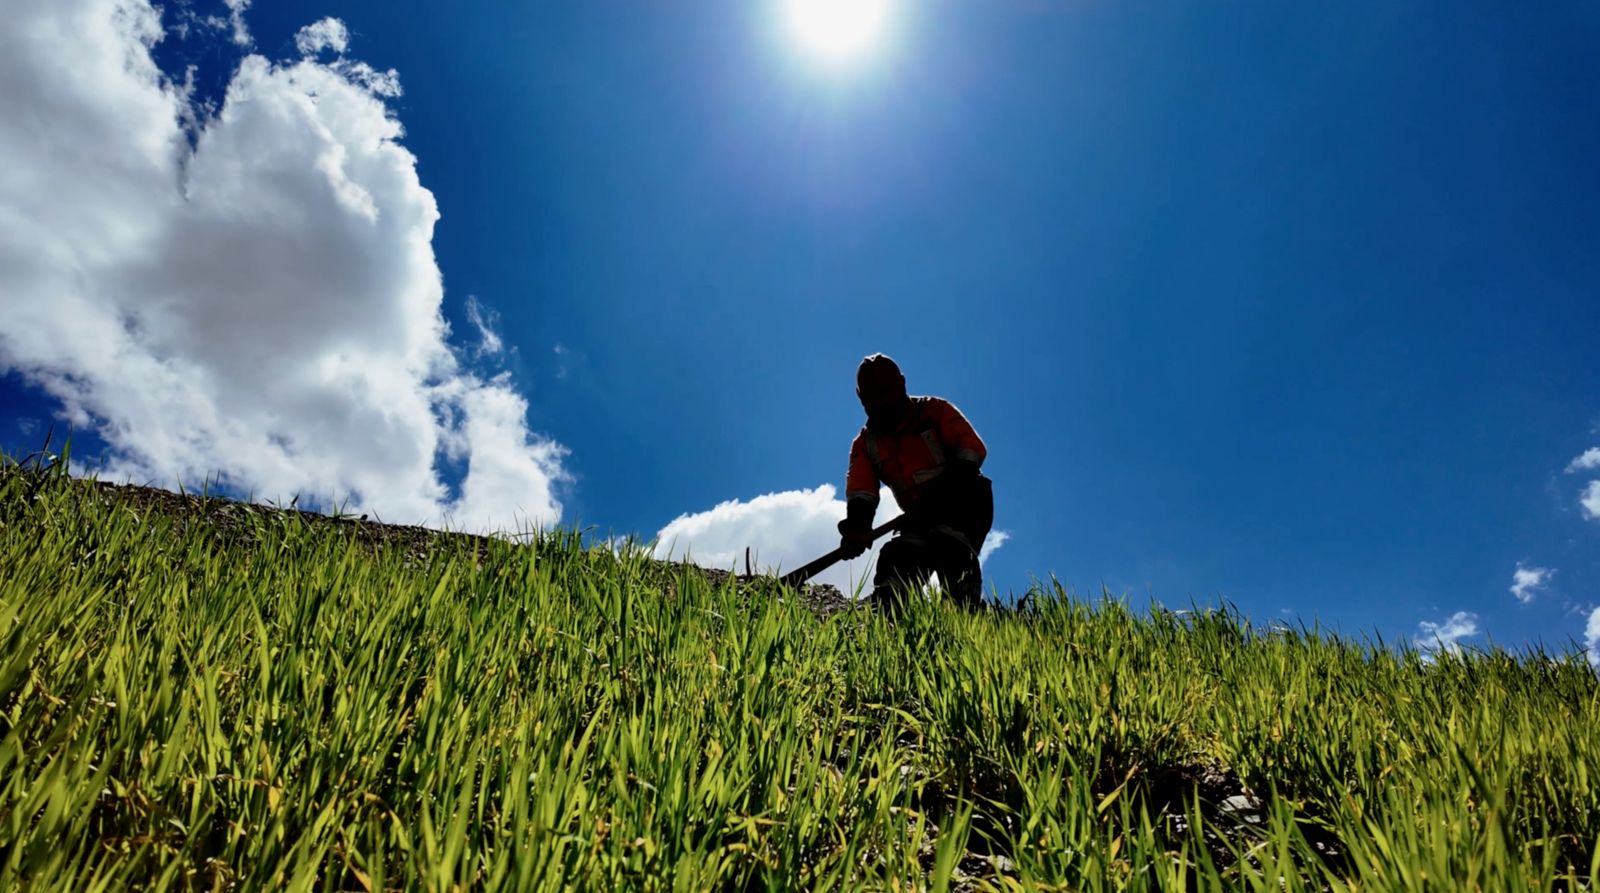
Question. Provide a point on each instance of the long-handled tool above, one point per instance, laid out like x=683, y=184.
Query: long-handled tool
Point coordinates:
x=807, y=571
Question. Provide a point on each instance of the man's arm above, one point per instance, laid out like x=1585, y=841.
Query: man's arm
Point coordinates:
x=965, y=456
x=958, y=433
x=860, y=500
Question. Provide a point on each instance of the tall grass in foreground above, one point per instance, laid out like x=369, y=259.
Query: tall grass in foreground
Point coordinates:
x=288, y=708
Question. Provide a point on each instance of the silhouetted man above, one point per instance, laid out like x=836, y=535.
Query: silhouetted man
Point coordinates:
x=928, y=454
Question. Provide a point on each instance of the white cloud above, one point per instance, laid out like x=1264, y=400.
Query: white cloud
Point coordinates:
x=331, y=34
x=1590, y=501
x=1591, y=638
x=509, y=481
x=236, y=10
x=993, y=541
x=1526, y=581
x=1434, y=637
x=484, y=320
x=263, y=305
x=784, y=531
x=327, y=34
x=1587, y=462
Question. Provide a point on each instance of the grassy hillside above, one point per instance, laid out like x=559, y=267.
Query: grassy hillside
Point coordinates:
x=203, y=695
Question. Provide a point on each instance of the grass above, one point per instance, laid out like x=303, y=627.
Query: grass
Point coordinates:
x=274, y=702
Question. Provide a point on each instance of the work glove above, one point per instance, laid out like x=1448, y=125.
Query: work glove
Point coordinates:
x=854, y=538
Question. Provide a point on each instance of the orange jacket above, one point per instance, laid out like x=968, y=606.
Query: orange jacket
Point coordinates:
x=933, y=433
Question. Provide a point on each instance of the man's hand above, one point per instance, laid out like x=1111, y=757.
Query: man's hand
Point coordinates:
x=854, y=539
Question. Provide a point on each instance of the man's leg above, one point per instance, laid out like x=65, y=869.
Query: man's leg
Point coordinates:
x=959, y=569
x=951, y=553
x=963, y=580
x=902, y=566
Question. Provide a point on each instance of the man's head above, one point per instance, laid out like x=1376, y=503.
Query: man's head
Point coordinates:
x=882, y=390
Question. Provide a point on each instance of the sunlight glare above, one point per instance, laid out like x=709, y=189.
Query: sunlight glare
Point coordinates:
x=838, y=29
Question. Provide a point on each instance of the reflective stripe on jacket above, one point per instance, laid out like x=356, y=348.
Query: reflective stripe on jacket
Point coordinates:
x=933, y=433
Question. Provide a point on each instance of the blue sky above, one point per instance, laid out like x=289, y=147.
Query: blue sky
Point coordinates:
x=1287, y=304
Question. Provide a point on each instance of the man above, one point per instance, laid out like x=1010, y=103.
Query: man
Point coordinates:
x=928, y=454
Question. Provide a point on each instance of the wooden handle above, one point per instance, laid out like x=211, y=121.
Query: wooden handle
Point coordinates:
x=807, y=571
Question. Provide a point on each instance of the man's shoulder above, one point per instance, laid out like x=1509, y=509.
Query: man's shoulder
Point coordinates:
x=931, y=404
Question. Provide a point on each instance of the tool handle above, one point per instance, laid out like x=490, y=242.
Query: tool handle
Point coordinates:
x=807, y=571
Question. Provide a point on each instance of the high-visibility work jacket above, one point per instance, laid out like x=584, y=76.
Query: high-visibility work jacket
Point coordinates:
x=933, y=433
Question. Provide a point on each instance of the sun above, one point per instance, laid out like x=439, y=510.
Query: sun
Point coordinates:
x=838, y=30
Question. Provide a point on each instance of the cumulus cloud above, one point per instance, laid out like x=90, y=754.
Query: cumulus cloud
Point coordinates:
x=1591, y=638
x=1589, y=461
x=1526, y=581
x=1590, y=501
x=332, y=35
x=254, y=297
x=784, y=530
x=1435, y=637
x=328, y=34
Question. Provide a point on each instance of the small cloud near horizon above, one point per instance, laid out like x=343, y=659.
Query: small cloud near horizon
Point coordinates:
x=995, y=540
x=1591, y=638
x=1433, y=638
x=783, y=530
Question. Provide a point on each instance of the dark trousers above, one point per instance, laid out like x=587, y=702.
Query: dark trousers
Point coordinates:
x=947, y=545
